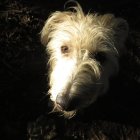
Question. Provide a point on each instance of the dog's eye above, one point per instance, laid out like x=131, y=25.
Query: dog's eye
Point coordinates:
x=64, y=49
x=100, y=56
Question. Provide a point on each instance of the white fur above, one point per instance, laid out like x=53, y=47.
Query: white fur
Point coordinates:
x=84, y=35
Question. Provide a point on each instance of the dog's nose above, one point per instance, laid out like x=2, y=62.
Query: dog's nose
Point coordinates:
x=62, y=102
x=67, y=102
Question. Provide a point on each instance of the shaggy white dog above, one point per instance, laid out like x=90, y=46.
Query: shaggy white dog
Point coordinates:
x=84, y=51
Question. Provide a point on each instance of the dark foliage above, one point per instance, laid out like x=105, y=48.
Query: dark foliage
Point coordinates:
x=24, y=106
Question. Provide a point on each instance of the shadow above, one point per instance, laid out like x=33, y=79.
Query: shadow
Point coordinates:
x=23, y=69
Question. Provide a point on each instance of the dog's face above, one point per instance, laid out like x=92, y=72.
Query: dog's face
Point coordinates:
x=83, y=52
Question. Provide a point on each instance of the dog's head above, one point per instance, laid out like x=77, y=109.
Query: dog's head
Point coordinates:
x=83, y=52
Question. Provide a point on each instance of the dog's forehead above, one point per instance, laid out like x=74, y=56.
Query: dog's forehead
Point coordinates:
x=85, y=33
x=76, y=35
x=77, y=28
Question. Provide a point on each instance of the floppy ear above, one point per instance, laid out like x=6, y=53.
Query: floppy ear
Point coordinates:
x=121, y=29
x=50, y=26
x=119, y=25
x=121, y=33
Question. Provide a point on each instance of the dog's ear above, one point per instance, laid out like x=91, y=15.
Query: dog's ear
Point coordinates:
x=120, y=34
x=119, y=25
x=121, y=29
x=50, y=26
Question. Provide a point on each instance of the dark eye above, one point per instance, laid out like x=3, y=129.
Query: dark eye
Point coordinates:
x=64, y=49
x=100, y=56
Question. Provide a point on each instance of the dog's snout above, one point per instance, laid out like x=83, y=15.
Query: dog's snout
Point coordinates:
x=62, y=102
x=66, y=102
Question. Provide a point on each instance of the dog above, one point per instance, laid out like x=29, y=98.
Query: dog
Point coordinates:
x=83, y=50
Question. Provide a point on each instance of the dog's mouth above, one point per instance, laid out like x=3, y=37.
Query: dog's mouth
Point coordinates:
x=76, y=98
x=66, y=114
x=69, y=114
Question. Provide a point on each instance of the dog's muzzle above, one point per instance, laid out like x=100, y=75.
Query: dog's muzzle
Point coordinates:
x=67, y=102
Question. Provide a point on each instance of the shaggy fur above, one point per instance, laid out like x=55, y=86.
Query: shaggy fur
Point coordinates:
x=84, y=51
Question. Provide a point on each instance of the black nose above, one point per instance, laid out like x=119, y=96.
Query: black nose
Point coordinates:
x=62, y=102
x=67, y=102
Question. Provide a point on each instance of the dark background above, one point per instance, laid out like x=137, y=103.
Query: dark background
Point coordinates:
x=24, y=106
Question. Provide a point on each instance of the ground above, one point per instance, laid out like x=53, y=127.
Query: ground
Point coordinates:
x=24, y=106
